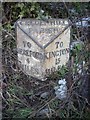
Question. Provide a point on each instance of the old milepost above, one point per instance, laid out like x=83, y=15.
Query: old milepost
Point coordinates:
x=42, y=47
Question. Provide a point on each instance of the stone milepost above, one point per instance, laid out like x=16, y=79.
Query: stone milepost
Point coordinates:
x=42, y=47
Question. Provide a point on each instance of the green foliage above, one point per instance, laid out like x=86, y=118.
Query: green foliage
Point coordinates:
x=60, y=73
x=63, y=71
x=20, y=10
x=25, y=10
x=55, y=104
x=9, y=27
x=77, y=49
x=19, y=113
x=17, y=93
x=22, y=113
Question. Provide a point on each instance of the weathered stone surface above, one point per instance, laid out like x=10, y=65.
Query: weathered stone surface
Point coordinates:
x=42, y=46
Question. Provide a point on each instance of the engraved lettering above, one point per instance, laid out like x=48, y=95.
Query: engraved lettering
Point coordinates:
x=57, y=43
x=57, y=61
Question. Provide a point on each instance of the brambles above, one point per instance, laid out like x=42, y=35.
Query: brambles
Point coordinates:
x=22, y=96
